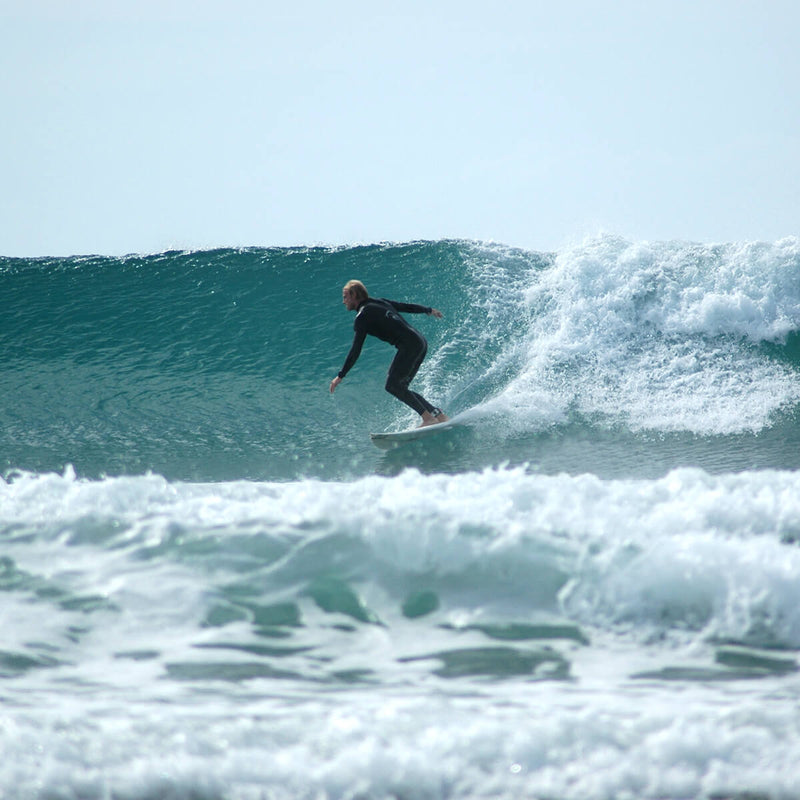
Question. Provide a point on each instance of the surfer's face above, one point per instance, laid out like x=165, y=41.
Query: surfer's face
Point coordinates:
x=350, y=302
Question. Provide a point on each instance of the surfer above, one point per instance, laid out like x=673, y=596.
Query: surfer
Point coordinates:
x=380, y=317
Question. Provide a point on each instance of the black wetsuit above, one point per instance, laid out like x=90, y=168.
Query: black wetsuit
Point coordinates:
x=379, y=317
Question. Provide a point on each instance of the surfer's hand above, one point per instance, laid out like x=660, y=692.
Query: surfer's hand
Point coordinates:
x=436, y=313
x=334, y=383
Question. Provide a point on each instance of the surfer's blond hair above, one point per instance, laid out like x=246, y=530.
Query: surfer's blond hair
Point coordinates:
x=357, y=290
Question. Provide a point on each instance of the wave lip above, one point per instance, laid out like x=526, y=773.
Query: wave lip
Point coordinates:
x=662, y=337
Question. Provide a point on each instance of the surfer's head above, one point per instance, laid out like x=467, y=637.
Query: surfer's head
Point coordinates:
x=353, y=294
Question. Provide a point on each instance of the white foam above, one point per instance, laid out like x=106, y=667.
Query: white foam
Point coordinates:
x=689, y=551
x=379, y=745
x=659, y=336
x=653, y=569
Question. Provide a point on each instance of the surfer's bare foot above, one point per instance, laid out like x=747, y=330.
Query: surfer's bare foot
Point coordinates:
x=429, y=419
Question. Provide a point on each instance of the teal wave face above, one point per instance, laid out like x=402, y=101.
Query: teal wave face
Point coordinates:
x=205, y=364
x=216, y=364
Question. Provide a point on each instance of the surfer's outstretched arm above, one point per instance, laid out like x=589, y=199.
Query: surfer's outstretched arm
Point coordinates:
x=352, y=357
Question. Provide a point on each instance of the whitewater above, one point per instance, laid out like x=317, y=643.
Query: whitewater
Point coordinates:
x=213, y=586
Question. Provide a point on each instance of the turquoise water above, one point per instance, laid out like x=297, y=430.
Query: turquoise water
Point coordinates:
x=212, y=585
x=215, y=365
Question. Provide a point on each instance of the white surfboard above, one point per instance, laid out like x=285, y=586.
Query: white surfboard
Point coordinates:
x=388, y=440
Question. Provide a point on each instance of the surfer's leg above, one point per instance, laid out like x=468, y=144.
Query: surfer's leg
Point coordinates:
x=400, y=374
x=402, y=371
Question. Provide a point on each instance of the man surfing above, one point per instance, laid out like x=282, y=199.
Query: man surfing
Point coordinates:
x=380, y=317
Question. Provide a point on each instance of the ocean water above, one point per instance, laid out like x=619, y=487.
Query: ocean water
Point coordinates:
x=214, y=587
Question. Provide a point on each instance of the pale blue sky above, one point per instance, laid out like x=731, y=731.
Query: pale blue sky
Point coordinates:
x=143, y=125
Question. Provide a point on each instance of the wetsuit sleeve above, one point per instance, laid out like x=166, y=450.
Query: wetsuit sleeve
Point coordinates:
x=410, y=308
x=355, y=351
